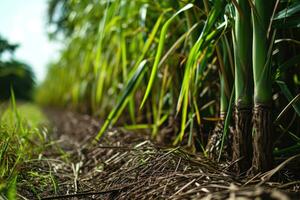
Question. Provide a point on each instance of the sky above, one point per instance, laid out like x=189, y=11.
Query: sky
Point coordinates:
x=24, y=22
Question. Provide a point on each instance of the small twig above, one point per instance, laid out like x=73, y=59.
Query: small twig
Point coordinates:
x=124, y=148
x=185, y=186
x=177, y=166
x=22, y=197
x=88, y=193
x=289, y=184
x=253, y=178
x=267, y=175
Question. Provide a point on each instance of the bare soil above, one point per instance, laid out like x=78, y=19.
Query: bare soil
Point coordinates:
x=128, y=165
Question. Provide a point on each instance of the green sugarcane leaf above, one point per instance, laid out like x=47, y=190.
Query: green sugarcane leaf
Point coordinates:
x=285, y=109
x=288, y=17
x=203, y=42
x=123, y=99
x=289, y=11
x=288, y=95
x=149, y=42
x=291, y=150
x=160, y=51
x=227, y=122
x=290, y=22
x=177, y=44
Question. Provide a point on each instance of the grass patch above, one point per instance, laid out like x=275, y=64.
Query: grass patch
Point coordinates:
x=21, y=139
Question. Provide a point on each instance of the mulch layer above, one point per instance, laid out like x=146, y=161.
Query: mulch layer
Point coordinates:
x=128, y=165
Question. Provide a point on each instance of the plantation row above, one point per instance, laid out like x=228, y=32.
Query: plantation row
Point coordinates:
x=186, y=64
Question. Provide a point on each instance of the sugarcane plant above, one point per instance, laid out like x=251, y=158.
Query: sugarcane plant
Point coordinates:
x=242, y=43
x=262, y=113
x=179, y=66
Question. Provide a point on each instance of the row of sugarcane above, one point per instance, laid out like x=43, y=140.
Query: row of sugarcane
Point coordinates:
x=161, y=58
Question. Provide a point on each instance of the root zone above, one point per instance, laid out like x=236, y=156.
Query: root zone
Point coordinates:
x=126, y=165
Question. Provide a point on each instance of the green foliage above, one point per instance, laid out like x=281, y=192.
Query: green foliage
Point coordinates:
x=14, y=74
x=18, y=76
x=188, y=45
x=123, y=99
x=6, y=46
x=288, y=17
x=18, y=128
x=160, y=50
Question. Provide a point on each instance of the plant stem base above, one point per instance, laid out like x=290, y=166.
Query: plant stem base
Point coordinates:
x=214, y=143
x=242, y=139
x=262, y=139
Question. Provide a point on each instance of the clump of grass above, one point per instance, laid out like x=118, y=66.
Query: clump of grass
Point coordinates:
x=20, y=141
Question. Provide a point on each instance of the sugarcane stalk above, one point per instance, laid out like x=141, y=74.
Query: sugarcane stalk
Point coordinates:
x=242, y=39
x=262, y=119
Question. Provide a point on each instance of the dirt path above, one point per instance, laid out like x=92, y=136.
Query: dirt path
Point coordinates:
x=129, y=166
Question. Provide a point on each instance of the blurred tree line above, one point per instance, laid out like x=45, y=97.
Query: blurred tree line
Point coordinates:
x=14, y=74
